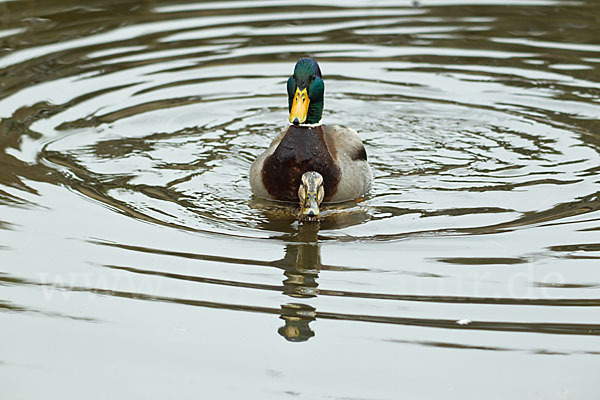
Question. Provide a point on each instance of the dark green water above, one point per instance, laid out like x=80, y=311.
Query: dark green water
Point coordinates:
x=134, y=262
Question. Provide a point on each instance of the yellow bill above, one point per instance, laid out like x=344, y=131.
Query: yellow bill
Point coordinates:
x=299, y=106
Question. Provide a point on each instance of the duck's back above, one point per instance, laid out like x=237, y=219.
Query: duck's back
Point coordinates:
x=334, y=152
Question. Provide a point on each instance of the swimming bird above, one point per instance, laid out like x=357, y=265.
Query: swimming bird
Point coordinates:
x=308, y=162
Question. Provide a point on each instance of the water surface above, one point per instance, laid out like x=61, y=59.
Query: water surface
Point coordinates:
x=135, y=262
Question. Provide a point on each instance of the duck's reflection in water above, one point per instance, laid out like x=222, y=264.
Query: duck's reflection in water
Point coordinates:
x=301, y=264
x=302, y=261
x=297, y=318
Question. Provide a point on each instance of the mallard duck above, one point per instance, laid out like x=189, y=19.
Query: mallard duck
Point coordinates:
x=308, y=162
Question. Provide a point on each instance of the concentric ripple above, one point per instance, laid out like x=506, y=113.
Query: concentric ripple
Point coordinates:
x=127, y=132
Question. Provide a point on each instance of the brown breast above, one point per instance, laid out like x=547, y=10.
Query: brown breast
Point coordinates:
x=302, y=149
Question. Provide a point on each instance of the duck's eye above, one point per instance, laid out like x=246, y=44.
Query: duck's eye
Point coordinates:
x=312, y=78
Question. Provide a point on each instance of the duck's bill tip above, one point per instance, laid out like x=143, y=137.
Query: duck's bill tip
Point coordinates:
x=310, y=214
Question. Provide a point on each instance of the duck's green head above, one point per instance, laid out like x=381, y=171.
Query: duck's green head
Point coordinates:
x=305, y=92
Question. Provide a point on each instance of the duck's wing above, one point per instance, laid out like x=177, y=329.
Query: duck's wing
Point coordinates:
x=348, y=151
